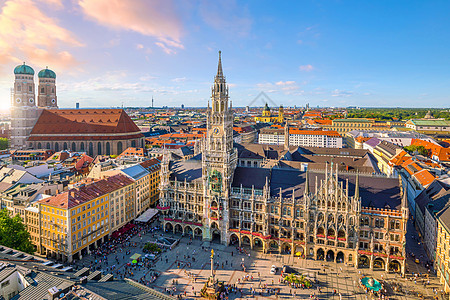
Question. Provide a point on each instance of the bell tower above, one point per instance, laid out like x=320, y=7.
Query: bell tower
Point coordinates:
x=24, y=112
x=47, y=89
x=219, y=159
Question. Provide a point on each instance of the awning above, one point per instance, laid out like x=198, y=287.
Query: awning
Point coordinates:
x=135, y=256
x=147, y=215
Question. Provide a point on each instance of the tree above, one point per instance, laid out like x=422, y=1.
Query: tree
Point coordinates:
x=420, y=149
x=4, y=143
x=13, y=233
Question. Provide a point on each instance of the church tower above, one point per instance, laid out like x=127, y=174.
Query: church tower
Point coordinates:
x=47, y=89
x=219, y=159
x=24, y=112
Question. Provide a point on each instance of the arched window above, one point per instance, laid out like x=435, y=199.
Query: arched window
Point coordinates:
x=108, y=149
x=99, y=148
x=91, y=149
x=119, y=147
x=48, y=146
x=65, y=146
x=56, y=147
x=133, y=143
x=82, y=147
x=74, y=147
x=39, y=146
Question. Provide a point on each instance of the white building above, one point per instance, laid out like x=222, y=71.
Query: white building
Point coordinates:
x=298, y=137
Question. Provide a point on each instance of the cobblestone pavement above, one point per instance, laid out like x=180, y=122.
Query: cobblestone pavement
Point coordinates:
x=175, y=271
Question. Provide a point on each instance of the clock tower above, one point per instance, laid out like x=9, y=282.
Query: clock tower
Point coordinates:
x=219, y=158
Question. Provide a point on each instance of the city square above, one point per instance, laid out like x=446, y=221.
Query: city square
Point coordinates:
x=185, y=269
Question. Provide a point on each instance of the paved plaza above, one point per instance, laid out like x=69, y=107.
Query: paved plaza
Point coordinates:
x=184, y=270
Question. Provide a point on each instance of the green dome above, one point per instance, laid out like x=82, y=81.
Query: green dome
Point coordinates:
x=24, y=69
x=46, y=73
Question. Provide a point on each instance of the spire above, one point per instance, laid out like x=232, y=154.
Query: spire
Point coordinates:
x=357, y=187
x=219, y=67
x=307, y=184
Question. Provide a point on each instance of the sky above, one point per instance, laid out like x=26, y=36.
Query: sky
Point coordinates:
x=109, y=53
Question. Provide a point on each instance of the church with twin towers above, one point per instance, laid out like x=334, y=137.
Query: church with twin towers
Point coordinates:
x=40, y=124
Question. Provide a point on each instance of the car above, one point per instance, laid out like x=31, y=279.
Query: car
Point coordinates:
x=417, y=261
x=273, y=270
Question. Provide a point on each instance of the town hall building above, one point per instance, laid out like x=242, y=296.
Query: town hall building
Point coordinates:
x=358, y=219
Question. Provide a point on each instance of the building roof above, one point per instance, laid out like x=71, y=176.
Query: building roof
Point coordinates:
x=430, y=122
x=189, y=170
x=136, y=172
x=329, y=133
x=85, y=193
x=375, y=191
x=78, y=124
x=46, y=73
x=424, y=177
x=24, y=69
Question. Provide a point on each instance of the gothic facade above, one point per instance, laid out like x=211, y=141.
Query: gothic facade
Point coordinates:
x=359, y=220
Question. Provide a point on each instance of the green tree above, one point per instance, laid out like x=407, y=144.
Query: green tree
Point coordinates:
x=13, y=233
x=420, y=149
x=4, y=143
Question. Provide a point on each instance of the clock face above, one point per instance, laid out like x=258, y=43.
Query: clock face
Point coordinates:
x=53, y=101
x=216, y=131
x=18, y=100
x=31, y=100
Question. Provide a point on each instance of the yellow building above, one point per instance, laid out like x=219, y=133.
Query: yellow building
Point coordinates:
x=346, y=125
x=442, y=263
x=153, y=166
x=268, y=118
x=77, y=221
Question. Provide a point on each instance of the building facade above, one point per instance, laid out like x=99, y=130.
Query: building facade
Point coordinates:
x=324, y=216
x=298, y=137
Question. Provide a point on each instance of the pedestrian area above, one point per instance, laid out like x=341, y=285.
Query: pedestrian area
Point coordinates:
x=183, y=271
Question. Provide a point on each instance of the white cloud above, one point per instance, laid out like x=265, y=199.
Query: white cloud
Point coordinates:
x=27, y=33
x=306, y=68
x=341, y=93
x=181, y=79
x=148, y=17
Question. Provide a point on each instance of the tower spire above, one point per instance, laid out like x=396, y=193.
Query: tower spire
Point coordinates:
x=219, y=67
x=357, y=187
x=306, y=183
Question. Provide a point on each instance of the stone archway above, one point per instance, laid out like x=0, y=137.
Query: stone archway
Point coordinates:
x=258, y=244
x=234, y=239
x=188, y=230
x=245, y=241
x=286, y=248
x=379, y=264
x=198, y=232
x=299, y=251
x=395, y=266
x=320, y=254
x=178, y=228
x=215, y=235
x=273, y=246
x=363, y=262
x=340, y=258
x=330, y=255
x=168, y=227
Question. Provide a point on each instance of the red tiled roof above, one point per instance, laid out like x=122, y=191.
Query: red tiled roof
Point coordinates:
x=151, y=164
x=63, y=122
x=329, y=133
x=424, y=177
x=132, y=151
x=78, y=196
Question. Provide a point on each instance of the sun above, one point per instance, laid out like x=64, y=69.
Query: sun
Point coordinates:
x=5, y=105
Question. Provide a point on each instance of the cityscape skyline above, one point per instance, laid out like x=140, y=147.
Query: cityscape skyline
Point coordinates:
x=334, y=54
